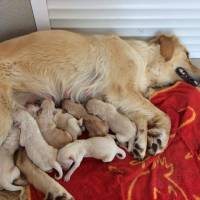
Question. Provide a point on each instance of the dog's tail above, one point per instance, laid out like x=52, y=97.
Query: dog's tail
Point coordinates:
x=121, y=154
x=58, y=168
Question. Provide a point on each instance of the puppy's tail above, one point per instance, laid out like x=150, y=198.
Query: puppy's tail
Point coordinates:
x=58, y=168
x=121, y=153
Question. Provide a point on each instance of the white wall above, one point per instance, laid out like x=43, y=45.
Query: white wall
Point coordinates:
x=16, y=18
x=140, y=18
x=129, y=18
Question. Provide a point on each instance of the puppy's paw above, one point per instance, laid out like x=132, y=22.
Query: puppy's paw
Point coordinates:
x=157, y=141
x=67, y=178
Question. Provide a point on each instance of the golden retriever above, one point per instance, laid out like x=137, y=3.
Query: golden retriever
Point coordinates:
x=62, y=64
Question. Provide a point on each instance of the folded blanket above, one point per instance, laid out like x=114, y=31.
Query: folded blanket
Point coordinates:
x=174, y=174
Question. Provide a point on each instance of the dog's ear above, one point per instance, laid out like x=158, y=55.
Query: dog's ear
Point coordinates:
x=167, y=46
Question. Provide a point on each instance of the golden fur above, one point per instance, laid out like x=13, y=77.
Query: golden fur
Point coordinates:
x=63, y=64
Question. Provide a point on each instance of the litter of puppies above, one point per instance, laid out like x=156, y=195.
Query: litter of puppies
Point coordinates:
x=44, y=137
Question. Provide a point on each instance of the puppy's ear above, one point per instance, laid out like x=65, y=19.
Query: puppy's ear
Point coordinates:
x=167, y=46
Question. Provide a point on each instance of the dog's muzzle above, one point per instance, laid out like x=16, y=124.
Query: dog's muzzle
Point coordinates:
x=181, y=72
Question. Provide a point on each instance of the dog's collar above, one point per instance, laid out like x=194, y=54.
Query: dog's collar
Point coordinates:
x=181, y=72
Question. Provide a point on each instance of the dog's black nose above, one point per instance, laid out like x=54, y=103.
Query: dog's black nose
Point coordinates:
x=181, y=72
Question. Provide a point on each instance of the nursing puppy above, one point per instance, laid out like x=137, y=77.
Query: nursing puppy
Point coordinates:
x=103, y=148
x=39, y=179
x=62, y=64
x=8, y=171
x=75, y=109
x=118, y=123
x=94, y=125
x=42, y=154
x=67, y=122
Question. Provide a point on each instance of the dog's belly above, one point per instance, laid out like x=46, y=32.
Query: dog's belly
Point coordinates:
x=24, y=98
x=82, y=94
x=78, y=87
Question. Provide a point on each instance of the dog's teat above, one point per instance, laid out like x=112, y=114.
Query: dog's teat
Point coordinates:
x=181, y=72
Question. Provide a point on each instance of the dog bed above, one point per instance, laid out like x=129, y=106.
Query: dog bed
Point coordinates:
x=174, y=174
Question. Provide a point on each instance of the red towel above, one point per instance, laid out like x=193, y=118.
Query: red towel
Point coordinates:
x=174, y=174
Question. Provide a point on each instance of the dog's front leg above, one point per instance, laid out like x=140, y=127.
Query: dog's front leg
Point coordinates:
x=139, y=146
x=39, y=179
x=144, y=114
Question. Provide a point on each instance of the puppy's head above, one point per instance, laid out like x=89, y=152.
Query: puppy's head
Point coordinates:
x=32, y=109
x=48, y=104
x=174, y=63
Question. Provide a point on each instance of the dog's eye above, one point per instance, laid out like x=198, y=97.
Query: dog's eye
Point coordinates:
x=188, y=54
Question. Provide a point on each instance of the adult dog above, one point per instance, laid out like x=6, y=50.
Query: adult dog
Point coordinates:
x=63, y=64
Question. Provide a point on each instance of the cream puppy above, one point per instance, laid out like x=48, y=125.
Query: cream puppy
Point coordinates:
x=8, y=171
x=103, y=148
x=124, y=129
x=67, y=122
x=42, y=154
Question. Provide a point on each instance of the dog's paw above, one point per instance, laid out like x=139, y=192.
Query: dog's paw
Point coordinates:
x=63, y=197
x=140, y=145
x=157, y=141
x=139, y=151
x=51, y=196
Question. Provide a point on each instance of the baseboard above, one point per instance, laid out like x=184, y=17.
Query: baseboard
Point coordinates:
x=196, y=61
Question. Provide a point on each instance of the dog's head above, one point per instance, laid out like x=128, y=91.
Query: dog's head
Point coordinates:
x=173, y=63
